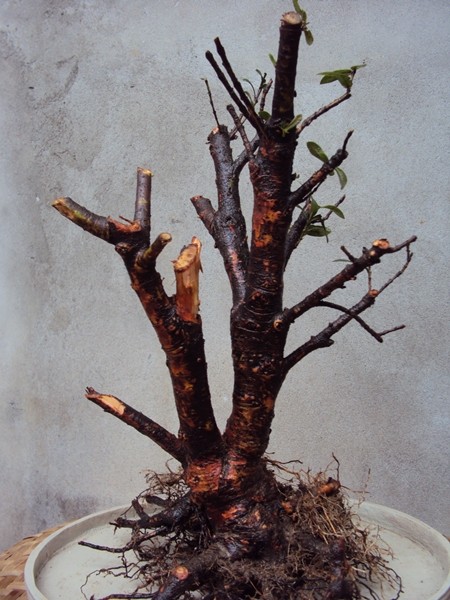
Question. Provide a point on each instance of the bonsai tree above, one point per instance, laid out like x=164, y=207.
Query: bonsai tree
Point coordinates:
x=226, y=525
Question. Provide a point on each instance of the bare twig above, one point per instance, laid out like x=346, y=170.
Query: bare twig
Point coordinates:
x=358, y=319
x=306, y=122
x=323, y=339
x=224, y=81
x=240, y=127
x=336, y=204
x=357, y=265
x=242, y=159
x=234, y=80
x=211, y=102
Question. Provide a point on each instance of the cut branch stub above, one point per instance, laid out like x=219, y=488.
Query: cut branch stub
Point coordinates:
x=187, y=268
x=84, y=218
x=286, y=67
x=166, y=440
x=143, y=193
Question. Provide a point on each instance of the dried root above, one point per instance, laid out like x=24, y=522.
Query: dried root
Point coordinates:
x=327, y=555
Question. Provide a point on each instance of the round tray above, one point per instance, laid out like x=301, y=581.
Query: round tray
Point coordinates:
x=58, y=567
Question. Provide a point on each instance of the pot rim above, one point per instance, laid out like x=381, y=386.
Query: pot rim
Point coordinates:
x=385, y=517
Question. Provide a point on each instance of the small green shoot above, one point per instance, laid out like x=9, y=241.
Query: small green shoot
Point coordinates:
x=287, y=127
x=315, y=225
x=308, y=35
x=341, y=176
x=317, y=152
x=343, y=76
x=265, y=116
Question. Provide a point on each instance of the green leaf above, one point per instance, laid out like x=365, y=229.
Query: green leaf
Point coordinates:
x=356, y=67
x=251, y=85
x=299, y=10
x=318, y=231
x=314, y=207
x=250, y=96
x=334, y=209
x=295, y=121
x=264, y=115
x=317, y=151
x=337, y=72
x=342, y=177
x=344, y=78
x=328, y=78
x=287, y=127
x=309, y=37
x=273, y=60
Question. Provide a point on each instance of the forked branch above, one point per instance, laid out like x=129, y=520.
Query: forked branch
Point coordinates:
x=226, y=224
x=357, y=265
x=175, y=321
x=324, y=338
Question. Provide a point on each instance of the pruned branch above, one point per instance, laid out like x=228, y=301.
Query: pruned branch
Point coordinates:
x=187, y=268
x=323, y=339
x=146, y=259
x=84, y=218
x=357, y=265
x=112, y=405
x=286, y=68
x=206, y=212
x=143, y=194
x=175, y=320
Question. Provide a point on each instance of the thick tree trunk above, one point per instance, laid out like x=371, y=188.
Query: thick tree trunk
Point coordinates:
x=236, y=498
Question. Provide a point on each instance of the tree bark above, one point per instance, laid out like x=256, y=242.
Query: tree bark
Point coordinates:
x=226, y=475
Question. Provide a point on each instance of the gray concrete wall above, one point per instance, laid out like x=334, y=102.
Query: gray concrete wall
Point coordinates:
x=89, y=91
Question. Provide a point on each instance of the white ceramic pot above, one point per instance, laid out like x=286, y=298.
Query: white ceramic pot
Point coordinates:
x=57, y=568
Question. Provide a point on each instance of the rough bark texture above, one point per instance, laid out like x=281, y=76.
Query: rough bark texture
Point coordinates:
x=242, y=506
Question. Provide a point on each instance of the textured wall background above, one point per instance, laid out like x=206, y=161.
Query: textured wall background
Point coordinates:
x=89, y=91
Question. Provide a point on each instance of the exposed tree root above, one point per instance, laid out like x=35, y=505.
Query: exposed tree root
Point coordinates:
x=326, y=554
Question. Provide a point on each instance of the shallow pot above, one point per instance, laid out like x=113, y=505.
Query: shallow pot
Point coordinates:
x=57, y=568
